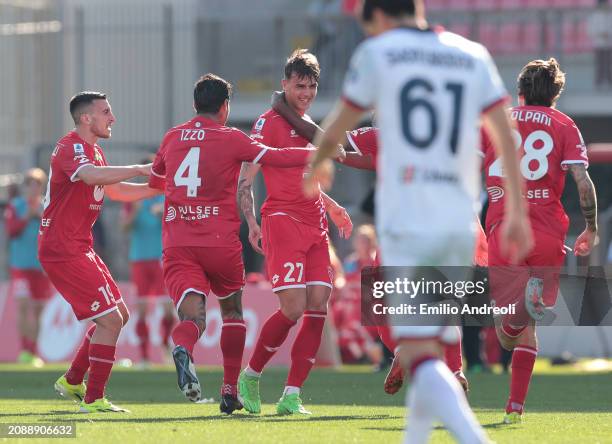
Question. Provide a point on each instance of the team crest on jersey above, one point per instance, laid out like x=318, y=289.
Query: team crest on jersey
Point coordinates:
x=78, y=149
x=260, y=124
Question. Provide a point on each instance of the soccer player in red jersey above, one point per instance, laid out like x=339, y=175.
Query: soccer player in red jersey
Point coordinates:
x=78, y=180
x=363, y=156
x=295, y=243
x=198, y=165
x=550, y=144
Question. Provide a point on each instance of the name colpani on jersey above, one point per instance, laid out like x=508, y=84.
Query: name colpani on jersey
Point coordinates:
x=531, y=116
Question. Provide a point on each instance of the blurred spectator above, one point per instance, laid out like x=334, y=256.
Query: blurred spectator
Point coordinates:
x=356, y=342
x=600, y=32
x=28, y=282
x=143, y=221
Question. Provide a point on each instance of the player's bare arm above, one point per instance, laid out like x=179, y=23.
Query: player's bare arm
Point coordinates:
x=303, y=127
x=130, y=192
x=588, y=206
x=341, y=119
x=517, y=238
x=339, y=216
x=359, y=161
x=107, y=175
x=248, y=172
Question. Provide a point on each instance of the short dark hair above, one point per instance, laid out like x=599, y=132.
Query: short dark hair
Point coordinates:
x=541, y=82
x=210, y=92
x=82, y=100
x=303, y=64
x=393, y=8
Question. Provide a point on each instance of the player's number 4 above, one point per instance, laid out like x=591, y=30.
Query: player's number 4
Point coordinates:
x=187, y=173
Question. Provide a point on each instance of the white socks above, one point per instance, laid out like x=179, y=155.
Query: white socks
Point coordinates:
x=435, y=395
x=250, y=372
x=290, y=390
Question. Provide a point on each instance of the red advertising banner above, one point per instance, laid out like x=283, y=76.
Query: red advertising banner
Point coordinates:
x=61, y=333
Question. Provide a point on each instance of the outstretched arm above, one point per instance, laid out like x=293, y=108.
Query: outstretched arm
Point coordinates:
x=248, y=172
x=588, y=206
x=107, y=175
x=305, y=128
x=130, y=192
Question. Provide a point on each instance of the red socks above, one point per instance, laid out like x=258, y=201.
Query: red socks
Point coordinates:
x=233, y=334
x=272, y=335
x=101, y=360
x=384, y=332
x=186, y=333
x=523, y=359
x=166, y=329
x=142, y=331
x=80, y=363
x=305, y=347
x=28, y=345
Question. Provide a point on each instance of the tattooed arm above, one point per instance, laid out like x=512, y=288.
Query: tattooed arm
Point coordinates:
x=588, y=206
x=245, y=201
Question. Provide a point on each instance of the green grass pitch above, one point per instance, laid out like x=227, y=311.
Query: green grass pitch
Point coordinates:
x=565, y=405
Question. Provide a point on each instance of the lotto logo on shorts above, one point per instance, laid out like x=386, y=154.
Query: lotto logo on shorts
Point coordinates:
x=95, y=306
x=275, y=279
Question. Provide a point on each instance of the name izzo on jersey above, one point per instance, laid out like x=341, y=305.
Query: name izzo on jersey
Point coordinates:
x=192, y=135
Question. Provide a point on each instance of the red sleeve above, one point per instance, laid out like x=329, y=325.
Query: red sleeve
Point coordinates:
x=71, y=158
x=574, y=149
x=14, y=225
x=157, y=179
x=248, y=150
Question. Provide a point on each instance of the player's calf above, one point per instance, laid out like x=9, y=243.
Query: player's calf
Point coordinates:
x=192, y=313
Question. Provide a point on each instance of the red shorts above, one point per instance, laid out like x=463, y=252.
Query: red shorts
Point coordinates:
x=148, y=278
x=297, y=255
x=86, y=284
x=31, y=283
x=202, y=269
x=508, y=283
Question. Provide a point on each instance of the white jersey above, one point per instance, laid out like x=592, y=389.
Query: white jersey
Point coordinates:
x=428, y=90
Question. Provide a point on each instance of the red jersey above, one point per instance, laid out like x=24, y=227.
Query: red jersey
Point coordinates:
x=71, y=207
x=284, y=186
x=547, y=141
x=365, y=142
x=198, y=164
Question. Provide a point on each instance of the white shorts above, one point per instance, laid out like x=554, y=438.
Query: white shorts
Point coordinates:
x=409, y=250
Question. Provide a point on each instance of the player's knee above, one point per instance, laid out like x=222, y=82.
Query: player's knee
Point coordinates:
x=112, y=321
x=506, y=341
x=294, y=311
x=231, y=307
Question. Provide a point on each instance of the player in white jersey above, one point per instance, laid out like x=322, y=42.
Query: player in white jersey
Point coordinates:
x=429, y=90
